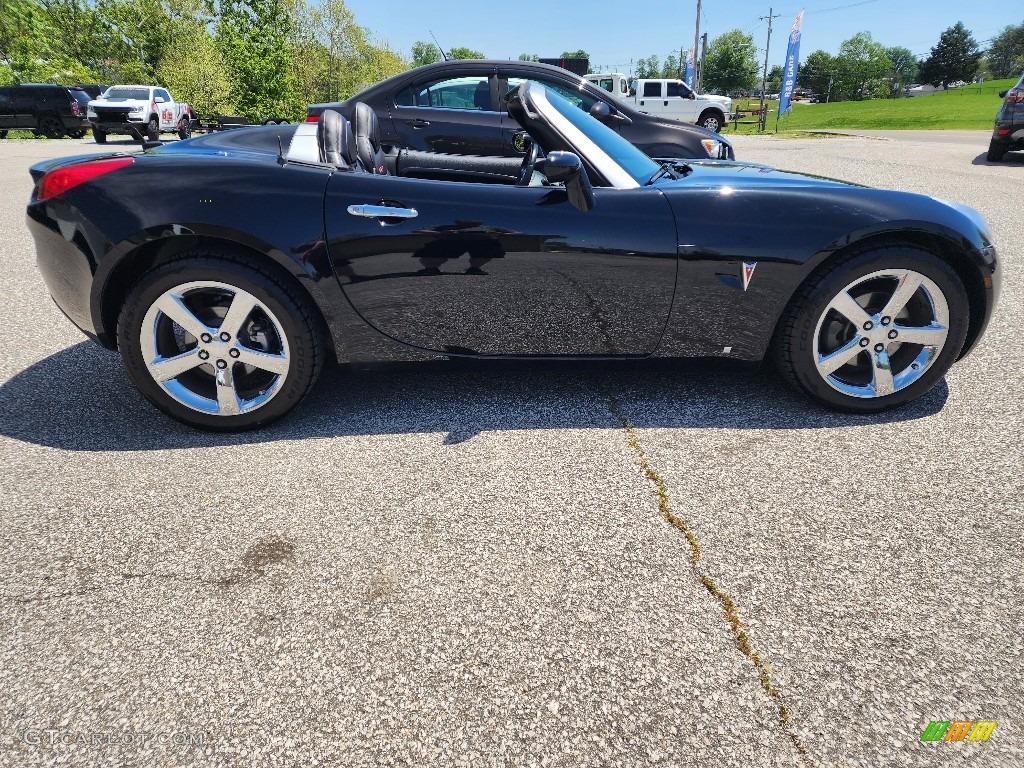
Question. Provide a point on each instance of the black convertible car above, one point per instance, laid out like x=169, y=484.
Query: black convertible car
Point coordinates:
x=226, y=269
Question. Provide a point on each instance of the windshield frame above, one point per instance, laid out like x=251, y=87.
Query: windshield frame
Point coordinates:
x=621, y=163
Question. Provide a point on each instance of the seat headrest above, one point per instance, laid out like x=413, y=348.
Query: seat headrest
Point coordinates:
x=482, y=96
x=367, y=131
x=335, y=139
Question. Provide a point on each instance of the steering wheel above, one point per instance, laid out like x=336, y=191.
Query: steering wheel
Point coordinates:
x=529, y=162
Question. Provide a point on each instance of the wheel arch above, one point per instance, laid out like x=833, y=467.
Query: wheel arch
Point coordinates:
x=944, y=244
x=116, y=276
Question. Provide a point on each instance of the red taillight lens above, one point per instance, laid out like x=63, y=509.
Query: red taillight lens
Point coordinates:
x=60, y=180
x=1015, y=96
x=312, y=118
x=74, y=109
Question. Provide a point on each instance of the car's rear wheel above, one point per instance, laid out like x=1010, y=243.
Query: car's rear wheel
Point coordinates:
x=996, y=150
x=99, y=136
x=874, y=331
x=3, y=134
x=79, y=134
x=218, y=344
x=51, y=127
x=711, y=119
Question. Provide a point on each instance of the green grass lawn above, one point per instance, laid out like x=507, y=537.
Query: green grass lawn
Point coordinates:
x=970, y=107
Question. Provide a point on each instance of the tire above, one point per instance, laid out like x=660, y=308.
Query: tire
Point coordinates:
x=813, y=332
x=711, y=119
x=184, y=128
x=100, y=137
x=77, y=134
x=3, y=134
x=281, y=323
x=51, y=127
x=996, y=150
x=153, y=129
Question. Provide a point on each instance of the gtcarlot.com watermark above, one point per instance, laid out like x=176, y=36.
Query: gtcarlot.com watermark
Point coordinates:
x=56, y=737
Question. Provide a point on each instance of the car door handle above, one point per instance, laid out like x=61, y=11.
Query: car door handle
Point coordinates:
x=382, y=212
x=418, y=123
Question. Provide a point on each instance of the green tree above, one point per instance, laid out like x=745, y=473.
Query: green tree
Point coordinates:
x=424, y=53
x=817, y=72
x=671, y=67
x=580, y=54
x=136, y=34
x=195, y=71
x=24, y=31
x=860, y=69
x=1006, y=54
x=465, y=53
x=529, y=57
x=902, y=70
x=774, y=84
x=953, y=59
x=731, y=62
x=253, y=37
x=649, y=68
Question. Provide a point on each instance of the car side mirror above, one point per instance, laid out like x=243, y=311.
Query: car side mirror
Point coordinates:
x=691, y=95
x=601, y=111
x=565, y=168
x=1002, y=94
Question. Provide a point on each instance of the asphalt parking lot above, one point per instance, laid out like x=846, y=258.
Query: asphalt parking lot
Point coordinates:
x=435, y=565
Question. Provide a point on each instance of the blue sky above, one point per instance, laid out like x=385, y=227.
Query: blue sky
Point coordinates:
x=616, y=32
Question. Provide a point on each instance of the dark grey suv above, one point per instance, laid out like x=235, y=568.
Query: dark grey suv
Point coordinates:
x=53, y=111
x=1008, y=133
x=458, y=107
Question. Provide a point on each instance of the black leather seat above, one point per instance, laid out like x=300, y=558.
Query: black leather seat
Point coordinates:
x=368, y=149
x=335, y=139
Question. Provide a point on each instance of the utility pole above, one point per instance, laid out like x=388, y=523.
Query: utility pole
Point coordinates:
x=764, y=78
x=699, y=80
x=696, y=42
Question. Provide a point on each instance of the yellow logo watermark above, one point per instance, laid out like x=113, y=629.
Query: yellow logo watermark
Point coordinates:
x=958, y=730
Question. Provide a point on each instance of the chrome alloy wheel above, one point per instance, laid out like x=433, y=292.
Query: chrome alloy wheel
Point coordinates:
x=214, y=348
x=881, y=333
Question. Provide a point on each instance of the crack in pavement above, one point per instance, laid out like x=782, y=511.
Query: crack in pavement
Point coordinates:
x=740, y=631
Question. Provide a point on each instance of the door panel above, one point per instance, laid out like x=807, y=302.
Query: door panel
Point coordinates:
x=454, y=114
x=502, y=270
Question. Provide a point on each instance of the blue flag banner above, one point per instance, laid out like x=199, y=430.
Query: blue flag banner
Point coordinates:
x=792, y=64
x=688, y=78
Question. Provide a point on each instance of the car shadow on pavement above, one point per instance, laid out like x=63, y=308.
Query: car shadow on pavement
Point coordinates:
x=80, y=399
x=1010, y=158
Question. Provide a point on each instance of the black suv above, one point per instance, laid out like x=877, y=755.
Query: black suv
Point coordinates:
x=51, y=110
x=1008, y=133
x=458, y=107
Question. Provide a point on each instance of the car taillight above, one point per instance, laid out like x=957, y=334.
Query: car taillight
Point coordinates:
x=60, y=180
x=312, y=118
x=1015, y=96
x=74, y=109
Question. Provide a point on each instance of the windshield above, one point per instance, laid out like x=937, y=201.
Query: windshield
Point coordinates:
x=126, y=94
x=634, y=162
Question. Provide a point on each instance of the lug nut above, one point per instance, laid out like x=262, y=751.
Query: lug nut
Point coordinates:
x=203, y=354
x=886, y=320
x=234, y=353
x=207, y=338
x=224, y=364
x=225, y=336
x=893, y=334
x=864, y=342
x=868, y=325
x=879, y=347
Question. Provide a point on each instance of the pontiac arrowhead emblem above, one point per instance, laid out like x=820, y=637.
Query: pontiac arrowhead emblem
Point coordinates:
x=748, y=273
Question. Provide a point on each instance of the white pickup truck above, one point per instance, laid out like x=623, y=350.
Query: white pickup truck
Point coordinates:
x=667, y=98
x=140, y=111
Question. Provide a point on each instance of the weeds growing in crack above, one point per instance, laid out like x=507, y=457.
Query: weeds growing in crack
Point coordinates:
x=740, y=632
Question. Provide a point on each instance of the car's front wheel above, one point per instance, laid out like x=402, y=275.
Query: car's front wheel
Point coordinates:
x=100, y=137
x=874, y=331
x=218, y=344
x=153, y=129
x=711, y=119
